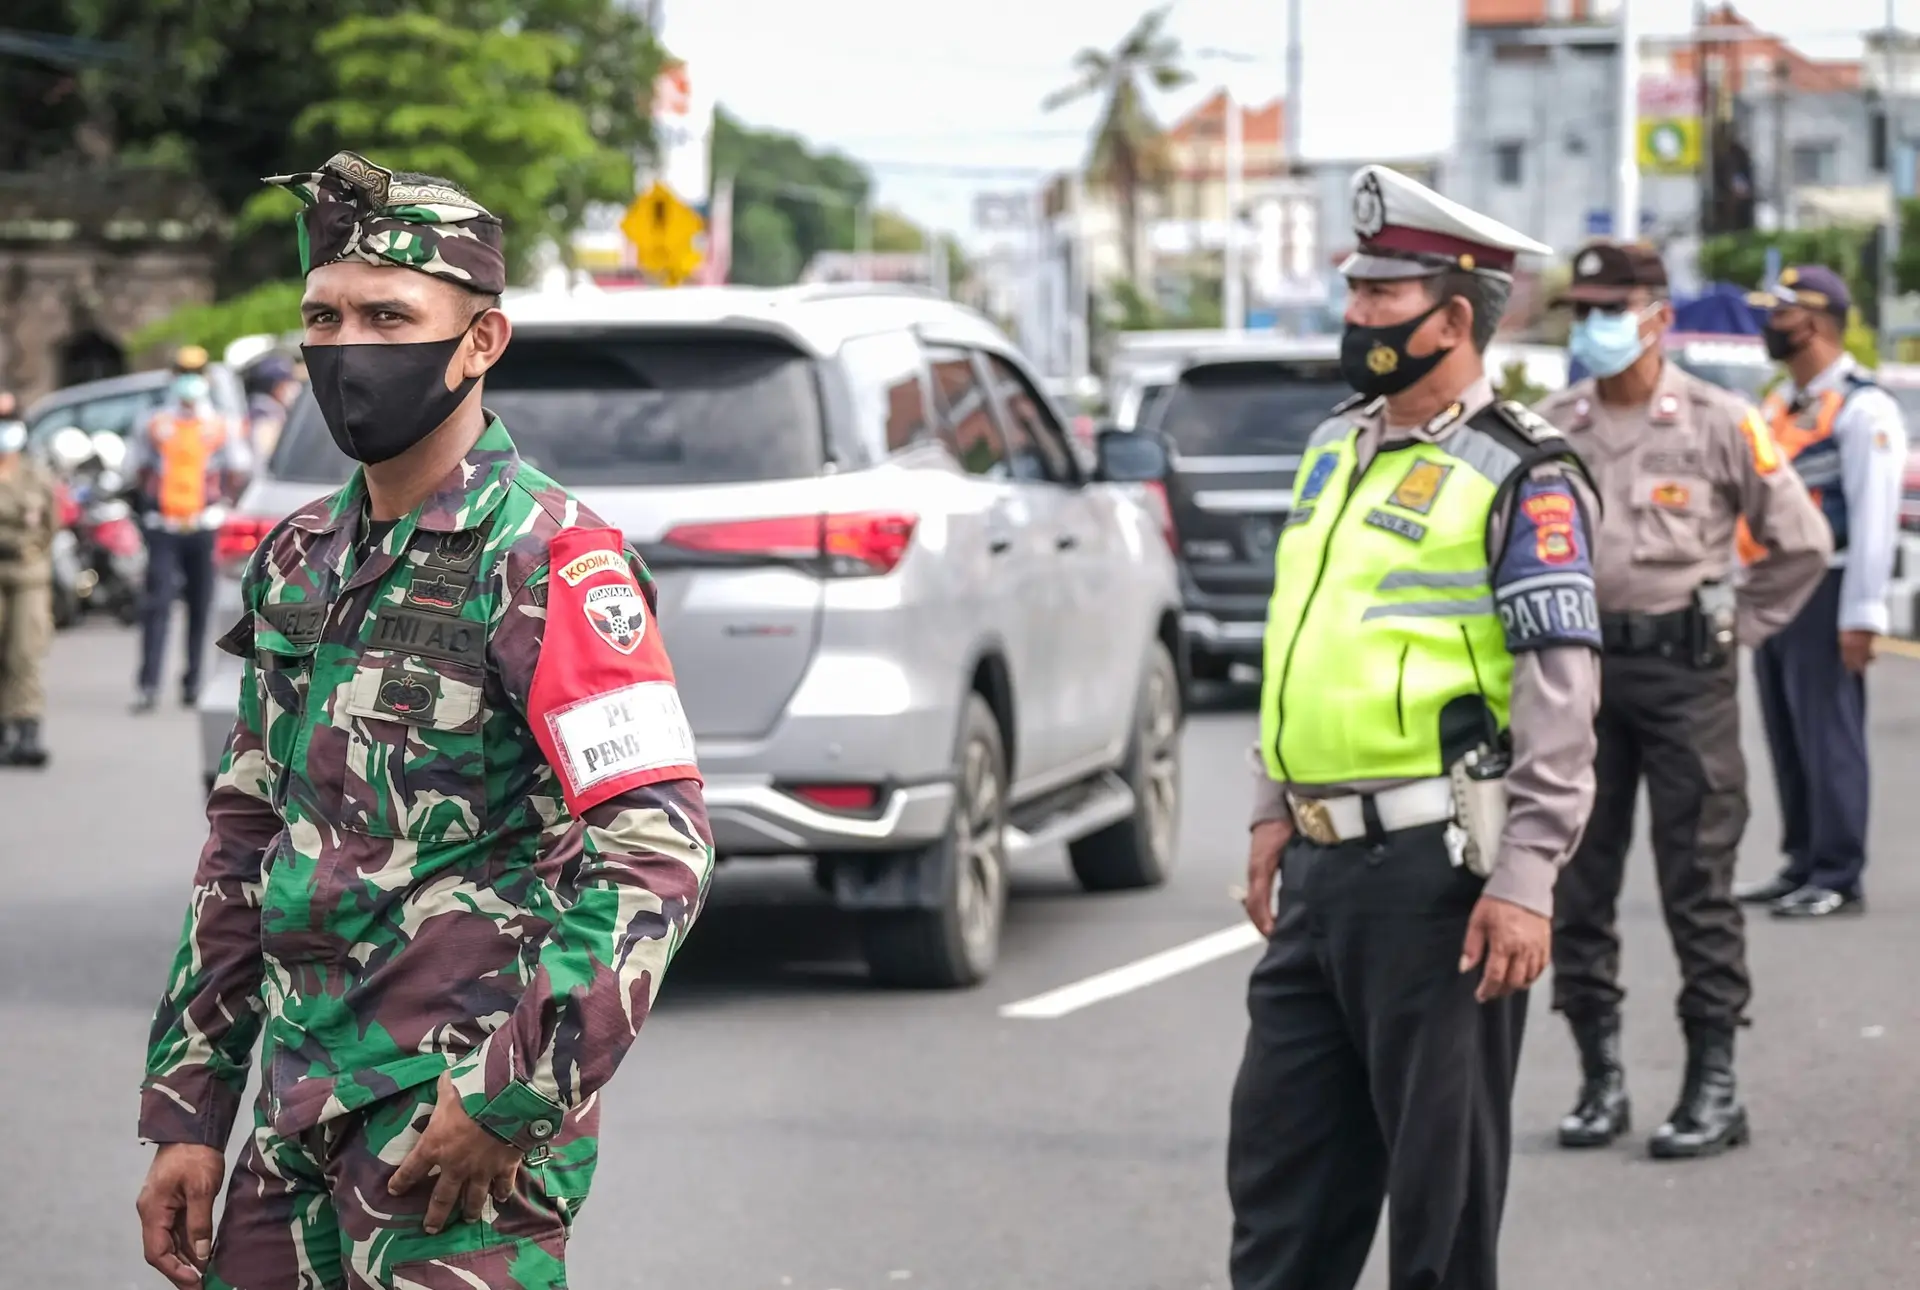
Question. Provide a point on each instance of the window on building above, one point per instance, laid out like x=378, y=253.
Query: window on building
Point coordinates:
x=1815, y=163
x=1506, y=163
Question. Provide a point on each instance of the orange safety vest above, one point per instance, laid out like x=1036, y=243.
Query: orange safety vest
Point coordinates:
x=184, y=446
x=1806, y=440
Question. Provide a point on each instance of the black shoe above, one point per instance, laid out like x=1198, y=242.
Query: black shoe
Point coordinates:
x=1603, y=1111
x=145, y=702
x=1766, y=893
x=1818, y=902
x=26, y=748
x=1709, y=1118
x=189, y=695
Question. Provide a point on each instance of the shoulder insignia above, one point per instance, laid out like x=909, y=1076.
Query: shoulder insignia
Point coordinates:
x=1348, y=404
x=1532, y=425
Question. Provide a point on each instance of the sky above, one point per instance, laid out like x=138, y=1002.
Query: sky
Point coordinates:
x=944, y=103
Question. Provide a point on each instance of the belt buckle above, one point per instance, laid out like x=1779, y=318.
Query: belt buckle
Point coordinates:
x=1311, y=817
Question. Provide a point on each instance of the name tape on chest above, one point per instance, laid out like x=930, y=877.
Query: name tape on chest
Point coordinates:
x=623, y=732
x=434, y=635
x=1399, y=524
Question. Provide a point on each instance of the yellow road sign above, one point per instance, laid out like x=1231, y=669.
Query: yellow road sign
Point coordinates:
x=1670, y=145
x=662, y=229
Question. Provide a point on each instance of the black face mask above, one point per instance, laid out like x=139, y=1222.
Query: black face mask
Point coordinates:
x=1375, y=362
x=1782, y=345
x=380, y=400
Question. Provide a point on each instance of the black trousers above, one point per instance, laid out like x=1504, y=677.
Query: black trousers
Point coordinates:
x=1371, y=1075
x=178, y=564
x=1816, y=717
x=1679, y=729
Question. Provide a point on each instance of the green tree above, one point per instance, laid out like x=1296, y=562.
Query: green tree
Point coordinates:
x=1130, y=155
x=764, y=251
x=1741, y=258
x=817, y=194
x=475, y=106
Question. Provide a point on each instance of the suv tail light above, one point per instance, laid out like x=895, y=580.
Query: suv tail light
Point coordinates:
x=235, y=541
x=850, y=545
x=1162, y=509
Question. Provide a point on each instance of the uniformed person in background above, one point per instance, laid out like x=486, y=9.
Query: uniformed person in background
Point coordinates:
x=1431, y=653
x=1678, y=462
x=1846, y=439
x=29, y=519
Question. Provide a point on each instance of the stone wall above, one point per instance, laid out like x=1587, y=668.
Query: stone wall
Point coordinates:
x=59, y=302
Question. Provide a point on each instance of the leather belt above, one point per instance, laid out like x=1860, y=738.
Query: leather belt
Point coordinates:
x=1332, y=820
x=1665, y=634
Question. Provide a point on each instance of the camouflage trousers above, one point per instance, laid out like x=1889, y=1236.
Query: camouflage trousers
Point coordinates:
x=312, y=1212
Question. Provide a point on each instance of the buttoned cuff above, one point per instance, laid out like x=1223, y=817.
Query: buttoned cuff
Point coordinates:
x=1525, y=879
x=182, y=1108
x=1866, y=616
x=518, y=1113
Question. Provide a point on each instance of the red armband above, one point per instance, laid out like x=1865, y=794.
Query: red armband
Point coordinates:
x=603, y=704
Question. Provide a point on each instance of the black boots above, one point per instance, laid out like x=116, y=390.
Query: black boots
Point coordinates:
x=20, y=744
x=1709, y=1118
x=1603, y=1112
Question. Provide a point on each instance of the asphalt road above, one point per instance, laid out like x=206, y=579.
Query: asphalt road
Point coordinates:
x=780, y=1124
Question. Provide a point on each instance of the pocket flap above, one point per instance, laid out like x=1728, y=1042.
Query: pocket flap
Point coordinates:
x=407, y=690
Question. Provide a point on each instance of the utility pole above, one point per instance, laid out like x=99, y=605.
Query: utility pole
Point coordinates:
x=1782, y=191
x=1709, y=125
x=1290, y=160
x=1233, y=284
x=1626, y=209
x=1890, y=233
x=1079, y=278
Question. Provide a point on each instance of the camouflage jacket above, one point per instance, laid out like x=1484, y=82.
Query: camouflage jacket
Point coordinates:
x=421, y=857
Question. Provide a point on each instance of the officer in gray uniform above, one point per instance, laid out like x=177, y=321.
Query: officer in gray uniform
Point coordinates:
x=1679, y=463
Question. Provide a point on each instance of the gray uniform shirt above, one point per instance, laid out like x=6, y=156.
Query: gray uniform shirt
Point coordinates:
x=1676, y=475
x=1556, y=692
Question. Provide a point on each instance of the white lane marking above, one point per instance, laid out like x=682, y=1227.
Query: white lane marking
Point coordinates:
x=1136, y=975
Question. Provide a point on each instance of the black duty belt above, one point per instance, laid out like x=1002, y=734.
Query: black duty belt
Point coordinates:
x=1667, y=635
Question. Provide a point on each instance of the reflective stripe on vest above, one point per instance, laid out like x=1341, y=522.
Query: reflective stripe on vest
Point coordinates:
x=1382, y=613
x=1806, y=441
x=185, y=446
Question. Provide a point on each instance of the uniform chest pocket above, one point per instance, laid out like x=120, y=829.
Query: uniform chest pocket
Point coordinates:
x=1669, y=520
x=282, y=677
x=409, y=731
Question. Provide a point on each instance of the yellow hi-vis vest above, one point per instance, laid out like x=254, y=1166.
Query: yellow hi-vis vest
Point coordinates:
x=1383, y=610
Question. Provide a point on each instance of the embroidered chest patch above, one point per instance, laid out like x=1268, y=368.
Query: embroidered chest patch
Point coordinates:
x=1417, y=491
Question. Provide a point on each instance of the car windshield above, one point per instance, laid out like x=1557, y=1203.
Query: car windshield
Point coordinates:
x=114, y=413
x=1237, y=409
x=594, y=410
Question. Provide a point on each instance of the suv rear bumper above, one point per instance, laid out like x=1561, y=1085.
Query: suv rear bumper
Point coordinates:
x=749, y=816
x=1222, y=638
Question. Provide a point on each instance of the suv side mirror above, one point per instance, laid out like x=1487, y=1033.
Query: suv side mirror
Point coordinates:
x=1130, y=457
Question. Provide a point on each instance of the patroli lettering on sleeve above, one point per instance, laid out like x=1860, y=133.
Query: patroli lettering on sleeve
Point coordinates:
x=1544, y=584
x=603, y=703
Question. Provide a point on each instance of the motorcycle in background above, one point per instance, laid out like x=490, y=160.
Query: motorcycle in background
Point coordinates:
x=109, y=558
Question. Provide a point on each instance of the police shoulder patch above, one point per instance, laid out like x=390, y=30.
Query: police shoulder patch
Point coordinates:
x=1543, y=585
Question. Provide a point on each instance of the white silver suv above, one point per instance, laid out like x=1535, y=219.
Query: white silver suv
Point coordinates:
x=914, y=631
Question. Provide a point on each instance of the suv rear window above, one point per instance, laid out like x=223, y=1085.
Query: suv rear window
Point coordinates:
x=594, y=410
x=1241, y=409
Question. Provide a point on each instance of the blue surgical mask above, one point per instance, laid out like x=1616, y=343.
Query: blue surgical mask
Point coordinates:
x=1606, y=344
x=190, y=387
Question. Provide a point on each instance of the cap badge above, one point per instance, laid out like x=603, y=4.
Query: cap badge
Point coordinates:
x=1369, y=207
x=1466, y=264
x=1382, y=359
x=1589, y=264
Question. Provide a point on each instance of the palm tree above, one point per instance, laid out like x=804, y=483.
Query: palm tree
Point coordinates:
x=1129, y=149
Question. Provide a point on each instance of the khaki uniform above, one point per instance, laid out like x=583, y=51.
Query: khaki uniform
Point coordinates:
x=29, y=518
x=1676, y=475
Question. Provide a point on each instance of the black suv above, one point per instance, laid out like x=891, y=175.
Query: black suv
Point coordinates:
x=1236, y=423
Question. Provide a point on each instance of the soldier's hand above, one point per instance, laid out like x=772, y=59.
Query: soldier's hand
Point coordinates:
x=1857, y=649
x=470, y=1163
x=1269, y=839
x=1514, y=942
x=176, y=1210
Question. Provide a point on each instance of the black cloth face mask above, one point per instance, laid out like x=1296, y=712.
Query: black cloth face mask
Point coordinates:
x=1782, y=344
x=380, y=400
x=1375, y=362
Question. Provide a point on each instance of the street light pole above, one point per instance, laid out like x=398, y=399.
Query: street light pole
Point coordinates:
x=1626, y=210
x=1234, y=284
x=1890, y=234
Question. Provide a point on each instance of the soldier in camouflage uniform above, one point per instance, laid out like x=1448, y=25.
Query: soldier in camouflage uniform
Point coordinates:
x=458, y=833
x=29, y=519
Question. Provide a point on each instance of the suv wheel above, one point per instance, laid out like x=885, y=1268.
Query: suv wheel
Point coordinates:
x=1138, y=851
x=956, y=943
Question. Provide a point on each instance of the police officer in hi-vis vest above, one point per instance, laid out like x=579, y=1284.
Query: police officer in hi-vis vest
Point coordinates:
x=1426, y=749
x=1847, y=441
